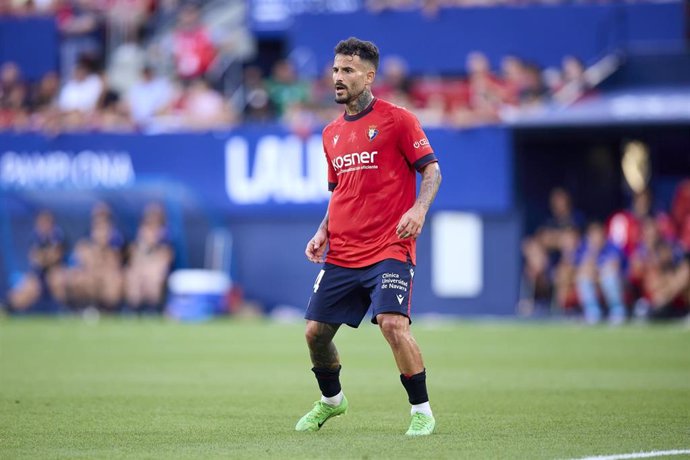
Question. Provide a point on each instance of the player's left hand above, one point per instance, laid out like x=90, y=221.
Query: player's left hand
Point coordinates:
x=411, y=223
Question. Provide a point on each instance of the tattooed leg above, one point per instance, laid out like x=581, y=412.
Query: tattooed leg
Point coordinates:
x=322, y=350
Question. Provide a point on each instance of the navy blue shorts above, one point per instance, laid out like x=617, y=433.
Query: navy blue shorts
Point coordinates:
x=343, y=295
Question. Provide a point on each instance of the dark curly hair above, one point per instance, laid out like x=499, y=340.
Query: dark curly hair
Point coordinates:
x=366, y=51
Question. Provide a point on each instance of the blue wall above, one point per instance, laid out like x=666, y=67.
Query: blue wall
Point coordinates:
x=269, y=188
x=541, y=34
x=33, y=43
x=282, y=275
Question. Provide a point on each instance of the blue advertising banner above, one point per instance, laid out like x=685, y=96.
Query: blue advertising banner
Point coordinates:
x=250, y=171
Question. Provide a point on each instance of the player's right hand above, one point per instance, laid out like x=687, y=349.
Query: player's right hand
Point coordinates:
x=316, y=247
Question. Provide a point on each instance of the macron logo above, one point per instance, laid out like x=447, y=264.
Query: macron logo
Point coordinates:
x=354, y=161
x=400, y=298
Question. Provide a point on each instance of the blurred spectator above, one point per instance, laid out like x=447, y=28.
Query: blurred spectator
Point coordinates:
x=664, y=273
x=257, y=103
x=536, y=287
x=394, y=84
x=563, y=217
x=42, y=102
x=199, y=108
x=192, y=48
x=532, y=93
x=10, y=79
x=514, y=78
x=301, y=120
x=126, y=63
x=148, y=97
x=680, y=213
x=285, y=89
x=485, y=93
x=82, y=33
x=599, y=268
x=125, y=19
x=27, y=7
x=573, y=84
x=552, y=243
x=625, y=231
x=565, y=271
x=45, y=93
x=434, y=111
x=439, y=99
x=204, y=108
x=46, y=255
x=235, y=45
x=13, y=98
x=625, y=227
x=150, y=258
x=322, y=97
x=164, y=13
x=111, y=114
x=95, y=277
x=523, y=86
x=81, y=92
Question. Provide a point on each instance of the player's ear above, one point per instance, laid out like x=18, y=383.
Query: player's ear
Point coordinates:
x=371, y=74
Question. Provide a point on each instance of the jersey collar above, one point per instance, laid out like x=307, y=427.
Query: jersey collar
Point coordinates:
x=359, y=115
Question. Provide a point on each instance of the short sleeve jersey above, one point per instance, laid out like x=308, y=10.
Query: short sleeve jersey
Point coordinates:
x=372, y=162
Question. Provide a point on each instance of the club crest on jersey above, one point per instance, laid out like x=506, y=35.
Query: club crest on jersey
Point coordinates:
x=372, y=132
x=335, y=139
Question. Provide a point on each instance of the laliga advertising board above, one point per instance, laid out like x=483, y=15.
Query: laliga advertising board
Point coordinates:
x=279, y=170
x=248, y=171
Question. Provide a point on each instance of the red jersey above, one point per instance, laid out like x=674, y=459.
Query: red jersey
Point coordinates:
x=194, y=52
x=372, y=162
x=625, y=231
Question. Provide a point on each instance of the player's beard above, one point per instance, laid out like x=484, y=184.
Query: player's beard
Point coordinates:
x=346, y=97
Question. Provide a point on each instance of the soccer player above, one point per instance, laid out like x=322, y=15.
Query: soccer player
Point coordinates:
x=371, y=227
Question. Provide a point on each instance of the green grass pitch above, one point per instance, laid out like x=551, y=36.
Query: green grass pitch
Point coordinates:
x=153, y=389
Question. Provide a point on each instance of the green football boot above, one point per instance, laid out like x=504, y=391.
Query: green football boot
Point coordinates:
x=421, y=425
x=321, y=412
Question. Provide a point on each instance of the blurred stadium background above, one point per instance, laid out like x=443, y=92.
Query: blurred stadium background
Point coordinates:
x=162, y=158
x=186, y=136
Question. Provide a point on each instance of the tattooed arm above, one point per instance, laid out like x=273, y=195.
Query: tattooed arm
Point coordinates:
x=412, y=221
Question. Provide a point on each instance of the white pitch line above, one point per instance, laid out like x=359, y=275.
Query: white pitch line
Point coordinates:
x=655, y=453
